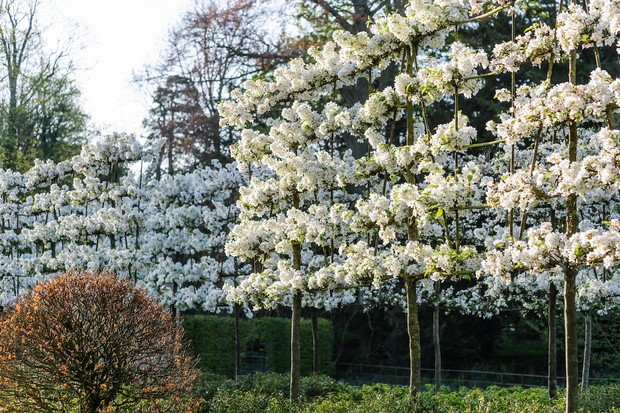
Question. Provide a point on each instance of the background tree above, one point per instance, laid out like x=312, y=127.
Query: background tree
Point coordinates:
x=40, y=116
x=95, y=342
x=215, y=47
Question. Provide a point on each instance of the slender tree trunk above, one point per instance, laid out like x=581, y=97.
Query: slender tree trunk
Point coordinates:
x=570, y=333
x=295, y=347
x=316, y=354
x=413, y=323
x=12, y=89
x=552, y=384
x=173, y=308
x=570, y=272
x=295, y=321
x=436, y=339
x=237, y=340
x=413, y=329
x=587, y=353
x=217, y=137
x=170, y=149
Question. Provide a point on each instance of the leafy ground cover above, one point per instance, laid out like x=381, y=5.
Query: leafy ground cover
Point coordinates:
x=267, y=392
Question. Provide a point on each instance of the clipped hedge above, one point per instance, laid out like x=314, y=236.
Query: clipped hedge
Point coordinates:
x=213, y=339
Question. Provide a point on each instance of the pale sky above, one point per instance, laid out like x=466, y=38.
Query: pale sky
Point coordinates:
x=114, y=39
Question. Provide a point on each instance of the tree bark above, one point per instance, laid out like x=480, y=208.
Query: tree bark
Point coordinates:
x=170, y=150
x=237, y=341
x=552, y=384
x=413, y=329
x=570, y=333
x=316, y=354
x=91, y=404
x=413, y=323
x=295, y=321
x=570, y=272
x=295, y=347
x=436, y=339
x=587, y=353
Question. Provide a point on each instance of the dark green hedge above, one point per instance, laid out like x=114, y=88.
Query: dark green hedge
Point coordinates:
x=213, y=339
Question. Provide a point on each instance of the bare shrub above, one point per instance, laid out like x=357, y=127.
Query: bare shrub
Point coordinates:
x=95, y=342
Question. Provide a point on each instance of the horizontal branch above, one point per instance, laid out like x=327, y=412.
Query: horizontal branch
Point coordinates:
x=480, y=76
x=483, y=144
x=470, y=207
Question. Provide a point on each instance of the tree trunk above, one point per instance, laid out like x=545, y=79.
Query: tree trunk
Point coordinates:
x=237, y=341
x=175, y=312
x=413, y=329
x=295, y=321
x=413, y=323
x=12, y=90
x=570, y=272
x=316, y=359
x=436, y=339
x=552, y=384
x=587, y=353
x=570, y=332
x=171, y=146
x=295, y=347
x=170, y=157
x=91, y=404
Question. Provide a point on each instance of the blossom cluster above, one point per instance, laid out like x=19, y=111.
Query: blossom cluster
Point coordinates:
x=93, y=212
x=315, y=218
x=551, y=106
x=544, y=116
x=350, y=218
x=348, y=57
x=575, y=29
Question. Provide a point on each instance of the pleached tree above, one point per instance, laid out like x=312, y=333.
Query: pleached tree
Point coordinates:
x=573, y=178
x=403, y=198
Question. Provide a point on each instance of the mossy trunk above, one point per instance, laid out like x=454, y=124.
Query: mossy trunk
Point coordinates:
x=587, y=353
x=570, y=272
x=570, y=333
x=295, y=321
x=316, y=353
x=295, y=347
x=237, y=340
x=552, y=383
x=413, y=329
x=436, y=339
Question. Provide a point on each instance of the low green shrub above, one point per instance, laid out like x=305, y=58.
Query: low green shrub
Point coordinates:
x=318, y=385
x=601, y=399
x=268, y=392
x=209, y=384
x=492, y=399
x=239, y=401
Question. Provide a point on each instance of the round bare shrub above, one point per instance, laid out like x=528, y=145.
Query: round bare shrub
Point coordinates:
x=93, y=342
